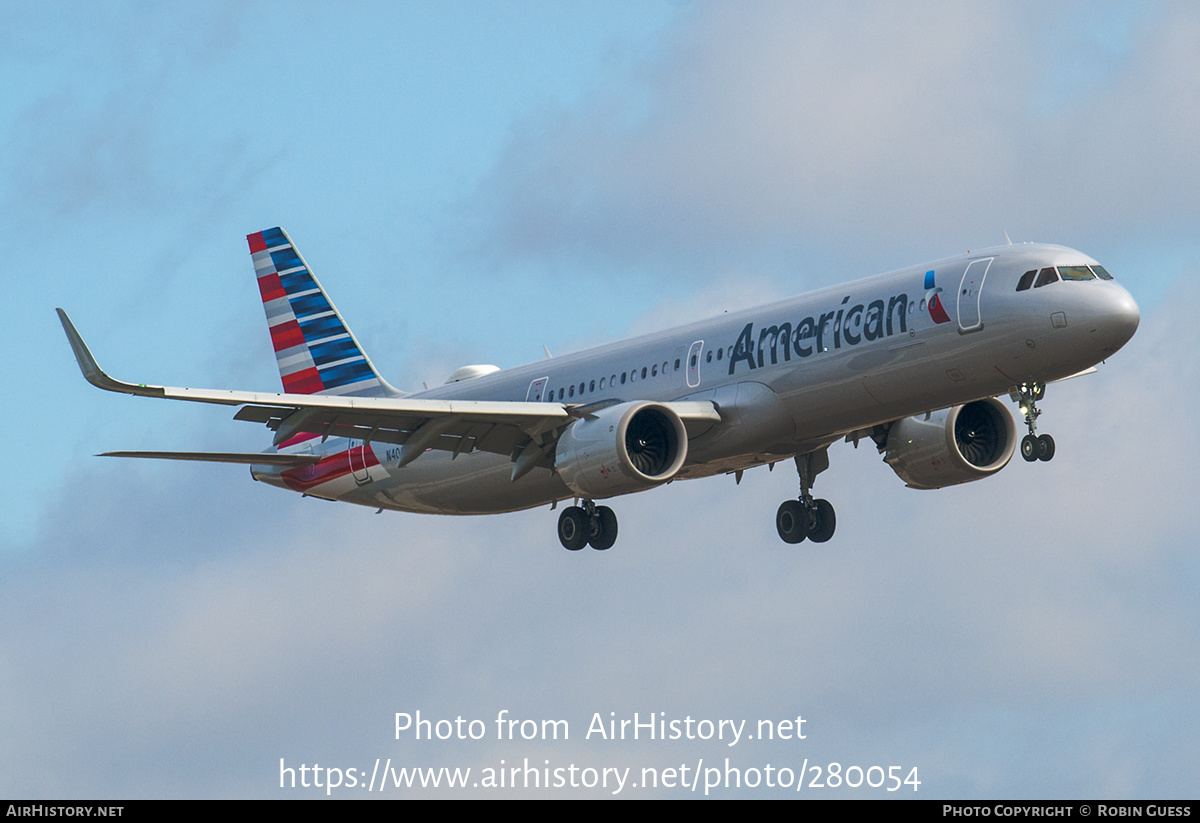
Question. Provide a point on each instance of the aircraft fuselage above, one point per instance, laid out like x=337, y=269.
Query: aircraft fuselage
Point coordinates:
x=787, y=378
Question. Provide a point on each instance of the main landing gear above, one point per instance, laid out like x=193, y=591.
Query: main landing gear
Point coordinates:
x=1033, y=446
x=585, y=525
x=807, y=517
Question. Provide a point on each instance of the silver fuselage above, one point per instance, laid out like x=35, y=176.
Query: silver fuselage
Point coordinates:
x=787, y=377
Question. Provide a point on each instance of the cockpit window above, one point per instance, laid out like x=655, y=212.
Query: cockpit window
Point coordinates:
x=1026, y=280
x=1101, y=273
x=1047, y=275
x=1075, y=273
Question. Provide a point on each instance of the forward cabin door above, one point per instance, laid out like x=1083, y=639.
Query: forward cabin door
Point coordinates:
x=969, y=293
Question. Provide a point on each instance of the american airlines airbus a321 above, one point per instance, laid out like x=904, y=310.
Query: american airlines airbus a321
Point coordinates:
x=913, y=360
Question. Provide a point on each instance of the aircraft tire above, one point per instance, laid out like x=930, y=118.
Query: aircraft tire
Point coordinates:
x=606, y=529
x=824, y=521
x=572, y=528
x=791, y=521
x=1045, y=448
x=1029, y=448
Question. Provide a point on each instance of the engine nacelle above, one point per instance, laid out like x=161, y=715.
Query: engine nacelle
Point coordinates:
x=952, y=446
x=620, y=449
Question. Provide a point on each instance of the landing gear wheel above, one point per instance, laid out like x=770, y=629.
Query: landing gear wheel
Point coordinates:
x=791, y=521
x=1045, y=448
x=603, y=529
x=824, y=521
x=573, y=528
x=1033, y=447
x=1030, y=447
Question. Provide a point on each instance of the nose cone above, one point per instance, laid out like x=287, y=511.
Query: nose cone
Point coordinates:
x=1118, y=319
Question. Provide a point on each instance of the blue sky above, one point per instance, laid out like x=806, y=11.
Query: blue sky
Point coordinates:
x=474, y=181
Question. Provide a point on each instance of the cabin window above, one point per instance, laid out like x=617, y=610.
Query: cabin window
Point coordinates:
x=709, y=358
x=719, y=352
x=1026, y=280
x=622, y=378
x=572, y=392
x=654, y=371
x=643, y=372
x=601, y=384
x=612, y=381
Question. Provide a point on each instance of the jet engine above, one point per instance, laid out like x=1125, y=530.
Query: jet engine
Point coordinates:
x=951, y=446
x=623, y=448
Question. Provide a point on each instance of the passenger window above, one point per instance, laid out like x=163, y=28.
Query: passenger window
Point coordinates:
x=1075, y=273
x=581, y=385
x=1026, y=280
x=572, y=392
x=601, y=384
x=592, y=386
x=560, y=394
x=1102, y=273
x=654, y=371
x=612, y=381
x=1048, y=275
x=709, y=358
x=676, y=364
x=622, y=378
x=643, y=372
x=719, y=353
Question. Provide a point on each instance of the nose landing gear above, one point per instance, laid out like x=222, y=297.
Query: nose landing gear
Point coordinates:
x=1033, y=446
x=807, y=517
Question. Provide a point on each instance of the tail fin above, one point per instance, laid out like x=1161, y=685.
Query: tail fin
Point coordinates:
x=316, y=352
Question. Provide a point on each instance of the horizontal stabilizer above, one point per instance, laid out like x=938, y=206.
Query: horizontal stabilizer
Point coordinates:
x=250, y=458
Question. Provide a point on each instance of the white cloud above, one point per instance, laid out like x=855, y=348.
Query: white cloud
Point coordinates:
x=817, y=125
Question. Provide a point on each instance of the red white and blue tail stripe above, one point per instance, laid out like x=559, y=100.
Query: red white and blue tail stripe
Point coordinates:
x=314, y=348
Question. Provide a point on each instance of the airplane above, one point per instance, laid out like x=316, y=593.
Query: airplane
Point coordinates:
x=913, y=360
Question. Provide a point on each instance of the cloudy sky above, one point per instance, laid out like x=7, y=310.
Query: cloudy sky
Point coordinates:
x=473, y=181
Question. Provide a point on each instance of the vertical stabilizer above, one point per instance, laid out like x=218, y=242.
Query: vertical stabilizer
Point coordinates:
x=315, y=350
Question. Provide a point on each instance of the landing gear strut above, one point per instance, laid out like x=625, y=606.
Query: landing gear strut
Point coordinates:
x=807, y=516
x=1033, y=446
x=589, y=524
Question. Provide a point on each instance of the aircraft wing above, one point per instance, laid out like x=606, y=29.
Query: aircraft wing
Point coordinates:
x=244, y=458
x=526, y=431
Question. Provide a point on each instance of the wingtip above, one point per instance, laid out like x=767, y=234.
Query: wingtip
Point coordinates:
x=91, y=369
x=83, y=356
